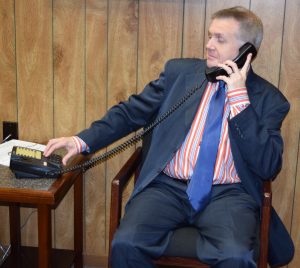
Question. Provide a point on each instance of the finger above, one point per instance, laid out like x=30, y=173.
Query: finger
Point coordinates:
x=53, y=145
x=67, y=157
x=232, y=65
x=226, y=79
x=227, y=68
x=71, y=144
x=247, y=63
x=51, y=148
x=48, y=150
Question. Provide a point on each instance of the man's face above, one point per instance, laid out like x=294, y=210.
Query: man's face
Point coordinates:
x=223, y=43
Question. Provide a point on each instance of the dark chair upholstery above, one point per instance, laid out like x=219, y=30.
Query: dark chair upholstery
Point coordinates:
x=173, y=257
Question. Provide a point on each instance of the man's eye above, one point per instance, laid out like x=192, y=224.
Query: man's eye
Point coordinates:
x=220, y=40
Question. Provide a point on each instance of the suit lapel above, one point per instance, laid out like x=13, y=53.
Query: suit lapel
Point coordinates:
x=192, y=81
x=181, y=120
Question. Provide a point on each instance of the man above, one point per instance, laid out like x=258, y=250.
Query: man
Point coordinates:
x=249, y=150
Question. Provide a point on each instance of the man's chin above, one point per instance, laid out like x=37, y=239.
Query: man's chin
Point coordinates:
x=211, y=63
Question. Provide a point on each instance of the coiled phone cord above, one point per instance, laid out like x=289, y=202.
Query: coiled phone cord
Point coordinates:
x=130, y=142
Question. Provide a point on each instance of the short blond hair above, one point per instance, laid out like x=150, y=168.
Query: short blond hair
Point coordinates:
x=251, y=27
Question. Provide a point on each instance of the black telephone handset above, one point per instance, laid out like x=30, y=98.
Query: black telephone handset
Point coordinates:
x=213, y=72
x=30, y=163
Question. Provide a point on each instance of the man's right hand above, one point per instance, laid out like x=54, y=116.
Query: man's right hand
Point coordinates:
x=64, y=142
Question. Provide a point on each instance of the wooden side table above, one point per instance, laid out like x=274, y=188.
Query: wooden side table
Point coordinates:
x=45, y=195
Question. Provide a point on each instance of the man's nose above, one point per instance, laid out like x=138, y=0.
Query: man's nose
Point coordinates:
x=209, y=44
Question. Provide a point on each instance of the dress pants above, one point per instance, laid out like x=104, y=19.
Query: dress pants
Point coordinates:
x=228, y=227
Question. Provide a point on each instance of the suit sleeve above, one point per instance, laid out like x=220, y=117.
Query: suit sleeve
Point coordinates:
x=126, y=117
x=256, y=131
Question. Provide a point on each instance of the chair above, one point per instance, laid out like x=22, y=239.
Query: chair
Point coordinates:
x=130, y=170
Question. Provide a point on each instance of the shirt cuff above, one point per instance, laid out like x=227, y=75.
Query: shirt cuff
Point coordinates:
x=81, y=146
x=238, y=100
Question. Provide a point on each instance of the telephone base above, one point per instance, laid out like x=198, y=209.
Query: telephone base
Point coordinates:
x=24, y=175
x=30, y=163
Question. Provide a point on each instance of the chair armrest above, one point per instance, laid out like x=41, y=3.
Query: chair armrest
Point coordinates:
x=265, y=224
x=118, y=185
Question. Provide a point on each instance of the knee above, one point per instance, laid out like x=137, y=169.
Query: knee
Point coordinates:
x=121, y=244
x=126, y=252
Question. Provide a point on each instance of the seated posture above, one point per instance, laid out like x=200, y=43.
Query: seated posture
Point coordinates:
x=205, y=164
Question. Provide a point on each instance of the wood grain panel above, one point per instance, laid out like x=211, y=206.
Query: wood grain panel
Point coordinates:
x=8, y=99
x=194, y=29
x=34, y=69
x=96, y=59
x=267, y=63
x=69, y=93
x=289, y=83
x=122, y=68
x=96, y=90
x=69, y=66
x=34, y=81
x=160, y=37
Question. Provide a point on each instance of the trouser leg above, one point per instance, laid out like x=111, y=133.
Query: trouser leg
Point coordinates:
x=228, y=229
x=144, y=231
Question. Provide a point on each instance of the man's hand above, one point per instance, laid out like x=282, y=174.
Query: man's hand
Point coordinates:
x=237, y=77
x=64, y=142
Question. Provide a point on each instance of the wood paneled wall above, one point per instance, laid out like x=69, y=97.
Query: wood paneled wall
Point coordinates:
x=63, y=63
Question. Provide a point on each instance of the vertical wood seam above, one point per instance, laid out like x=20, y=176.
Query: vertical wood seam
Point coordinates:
x=295, y=186
x=282, y=44
x=204, y=25
x=16, y=63
x=182, y=28
x=106, y=104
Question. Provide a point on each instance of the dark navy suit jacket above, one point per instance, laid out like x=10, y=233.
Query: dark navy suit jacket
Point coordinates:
x=255, y=138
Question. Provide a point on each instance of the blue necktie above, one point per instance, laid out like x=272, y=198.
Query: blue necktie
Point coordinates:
x=199, y=188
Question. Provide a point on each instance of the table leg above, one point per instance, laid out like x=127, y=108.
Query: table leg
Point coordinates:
x=15, y=235
x=78, y=221
x=44, y=236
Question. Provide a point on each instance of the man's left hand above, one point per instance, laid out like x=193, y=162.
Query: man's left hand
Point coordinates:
x=237, y=77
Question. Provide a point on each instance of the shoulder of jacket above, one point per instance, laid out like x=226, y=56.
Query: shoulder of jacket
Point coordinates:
x=184, y=62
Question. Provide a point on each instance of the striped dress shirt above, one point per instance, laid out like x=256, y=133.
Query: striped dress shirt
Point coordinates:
x=182, y=164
